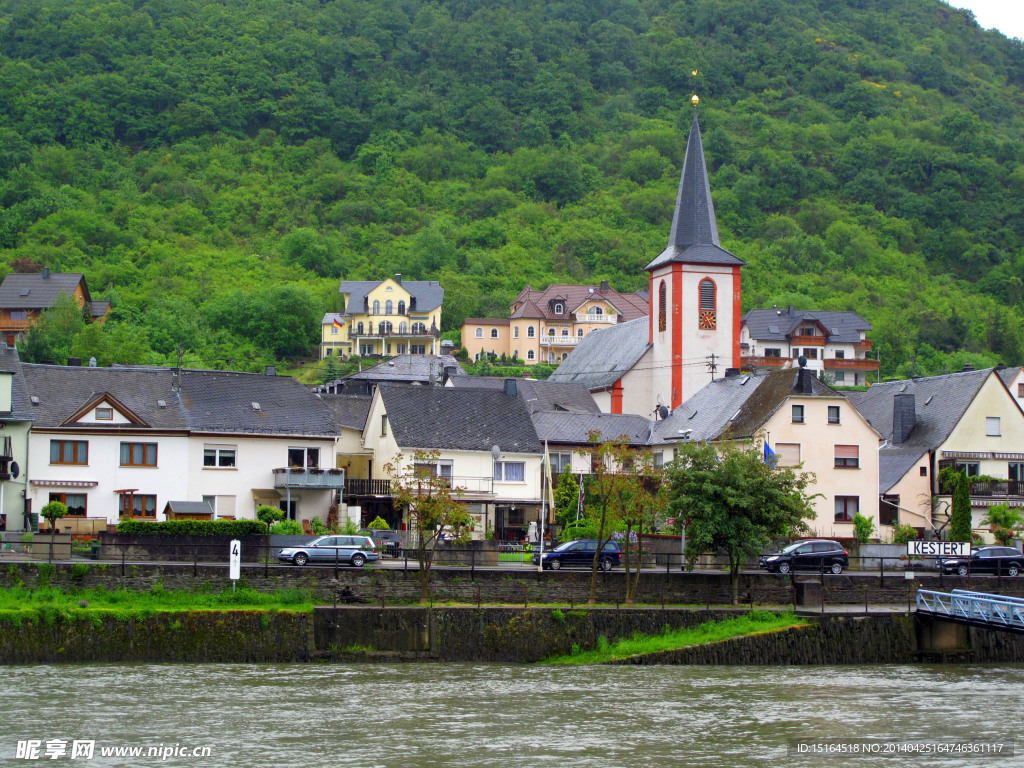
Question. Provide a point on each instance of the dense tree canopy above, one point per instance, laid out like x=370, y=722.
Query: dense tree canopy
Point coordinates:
x=216, y=167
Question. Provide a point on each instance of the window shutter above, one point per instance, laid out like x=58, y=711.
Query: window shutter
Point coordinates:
x=788, y=453
x=847, y=451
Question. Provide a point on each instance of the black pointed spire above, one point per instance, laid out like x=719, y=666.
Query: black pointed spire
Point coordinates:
x=694, y=235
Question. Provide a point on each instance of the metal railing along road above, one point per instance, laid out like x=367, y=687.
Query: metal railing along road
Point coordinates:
x=974, y=608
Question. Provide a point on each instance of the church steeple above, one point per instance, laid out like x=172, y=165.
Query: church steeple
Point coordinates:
x=694, y=235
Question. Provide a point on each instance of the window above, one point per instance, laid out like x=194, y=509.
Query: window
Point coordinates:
x=596, y=311
x=659, y=459
x=218, y=456
x=888, y=509
x=384, y=425
x=808, y=330
x=515, y=332
x=359, y=327
x=515, y=354
x=772, y=352
x=389, y=307
x=529, y=354
x=138, y=454
x=840, y=354
x=992, y=426
x=551, y=331
x=579, y=332
x=419, y=329
x=811, y=353
x=846, y=508
x=439, y=468
x=848, y=456
x=104, y=414
x=1020, y=390
x=798, y=414
x=924, y=471
x=19, y=314
x=530, y=331
x=365, y=350
x=560, y=462
x=304, y=458
x=479, y=333
x=1015, y=471
x=840, y=377
x=509, y=471
x=494, y=333
x=565, y=331
x=417, y=349
x=376, y=307
x=69, y=451
x=138, y=505
x=662, y=306
x=384, y=328
x=559, y=309
x=833, y=414
x=708, y=320
x=969, y=468
x=401, y=307
x=334, y=330
x=788, y=453
x=75, y=502
x=551, y=357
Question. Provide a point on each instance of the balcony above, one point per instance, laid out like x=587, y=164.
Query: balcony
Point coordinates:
x=393, y=334
x=807, y=341
x=997, y=488
x=560, y=341
x=358, y=487
x=467, y=487
x=298, y=477
x=865, y=345
x=833, y=364
x=605, y=319
x=755, y=361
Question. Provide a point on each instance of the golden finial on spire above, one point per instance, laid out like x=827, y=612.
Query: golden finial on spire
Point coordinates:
x=695, y=100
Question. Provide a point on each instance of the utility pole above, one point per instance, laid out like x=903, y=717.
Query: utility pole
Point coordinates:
x=712, y=365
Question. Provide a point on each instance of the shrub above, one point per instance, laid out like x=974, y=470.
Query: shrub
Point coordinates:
x=316, y=525
x=902, y=534
x=378, y=524
x=268, y=515
x=863, y=527
x=192, y=528
x=287, y=528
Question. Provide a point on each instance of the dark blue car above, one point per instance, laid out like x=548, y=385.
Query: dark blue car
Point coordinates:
x=580, y=554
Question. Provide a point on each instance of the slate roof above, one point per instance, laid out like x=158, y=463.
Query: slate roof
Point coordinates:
x=410, y=368
x=208, y=401
x=1008, y=374
x=605, y=355
x=734, y=407
x=780, y=324
x=11, y=363
x=538, y=304
x=24, y=291
x=939, y=404
x=469, y=419
x=425, y=295
x=98, y=308
x=694, y=235
x=538, y=395
x=189, y=507
x=348, y=410
x=574, y=428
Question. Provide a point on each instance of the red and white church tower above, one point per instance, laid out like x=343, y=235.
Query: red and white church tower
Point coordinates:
x=694, y=290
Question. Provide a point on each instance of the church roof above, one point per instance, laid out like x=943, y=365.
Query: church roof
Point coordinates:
x=694, y=235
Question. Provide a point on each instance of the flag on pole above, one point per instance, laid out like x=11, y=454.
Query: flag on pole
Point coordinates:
x=770, y=456
x=338, y=323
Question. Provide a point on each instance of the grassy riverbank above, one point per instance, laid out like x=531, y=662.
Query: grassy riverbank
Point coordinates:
x=19, y=604
x=712, y=631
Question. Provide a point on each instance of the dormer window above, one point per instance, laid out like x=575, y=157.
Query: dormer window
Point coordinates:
x=596, y=311
x=559, y=308
x=104, y=414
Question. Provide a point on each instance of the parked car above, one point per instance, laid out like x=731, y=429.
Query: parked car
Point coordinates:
x=580, y=554
x=812, y=555
x=350, y=550
x=388, y=542
x=1006, y=561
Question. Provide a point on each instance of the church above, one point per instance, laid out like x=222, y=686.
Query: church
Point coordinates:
x=691, y=335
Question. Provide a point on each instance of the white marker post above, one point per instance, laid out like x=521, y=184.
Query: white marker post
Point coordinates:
x=235, y=562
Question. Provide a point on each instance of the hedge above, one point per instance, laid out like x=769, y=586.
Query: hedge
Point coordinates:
x=192, y=527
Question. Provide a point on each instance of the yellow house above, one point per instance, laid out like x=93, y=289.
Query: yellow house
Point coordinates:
x=390, y=317
x=968, y=420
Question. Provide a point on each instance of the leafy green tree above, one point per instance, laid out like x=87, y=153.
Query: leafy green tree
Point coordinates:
x=863, y=527
x=960, y=515
x=51, y=338
x=53, y=512
x=1005, y=522
x=567, y=496
x=733, y=503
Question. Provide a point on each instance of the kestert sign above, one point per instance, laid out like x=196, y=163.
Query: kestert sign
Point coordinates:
x=938, y=548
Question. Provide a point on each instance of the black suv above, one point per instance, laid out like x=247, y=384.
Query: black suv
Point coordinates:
x=1002, y=561
x=388, y=542
x=813, y=555
x=580, y=554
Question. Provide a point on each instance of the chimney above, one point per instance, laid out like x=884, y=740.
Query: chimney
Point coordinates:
x=511, y=389
x=804, y=385
x=967, y=367
x=1001, y=367
x=398, y=278
x=270, y=371
x=904, y=417
x=46, y=273
x=732, y=373
x=604, y=285
x=74, y=362
x=449, y=372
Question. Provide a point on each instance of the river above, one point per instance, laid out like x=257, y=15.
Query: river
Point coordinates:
x=422, y=715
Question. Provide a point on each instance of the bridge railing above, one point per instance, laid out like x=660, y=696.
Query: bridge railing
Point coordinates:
x=973, y=607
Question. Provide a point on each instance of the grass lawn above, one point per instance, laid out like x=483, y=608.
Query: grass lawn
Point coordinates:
x=18, y=604
x=708, y=632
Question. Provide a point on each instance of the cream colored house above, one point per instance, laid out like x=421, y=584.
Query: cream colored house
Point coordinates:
x=805, y=423
x=485, y=444
x=969, y=420
x=390, y=317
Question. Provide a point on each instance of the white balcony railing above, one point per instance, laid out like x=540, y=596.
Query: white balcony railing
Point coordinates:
x=560, y=341
x=608, y=319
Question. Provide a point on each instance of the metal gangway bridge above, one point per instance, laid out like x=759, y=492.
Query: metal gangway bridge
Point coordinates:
x=977, y=609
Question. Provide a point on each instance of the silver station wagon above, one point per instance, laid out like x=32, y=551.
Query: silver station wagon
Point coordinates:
x=348, y=550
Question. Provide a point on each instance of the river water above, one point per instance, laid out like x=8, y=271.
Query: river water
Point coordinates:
x=421, y=715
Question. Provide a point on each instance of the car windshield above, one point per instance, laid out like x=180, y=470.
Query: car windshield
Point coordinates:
x=563, y=547
x=791, y=547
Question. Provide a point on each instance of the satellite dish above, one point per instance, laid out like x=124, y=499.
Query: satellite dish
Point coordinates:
x=495, y=452
x=15, y=470
x=802, y=360
x=662, y=412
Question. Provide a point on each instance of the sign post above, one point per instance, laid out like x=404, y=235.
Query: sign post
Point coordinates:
x=235, y=562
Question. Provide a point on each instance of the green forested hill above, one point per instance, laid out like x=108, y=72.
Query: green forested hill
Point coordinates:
x=215, y=167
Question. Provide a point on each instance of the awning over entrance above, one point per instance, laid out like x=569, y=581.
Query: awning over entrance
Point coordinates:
x=265, y=494
x=64, y=483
